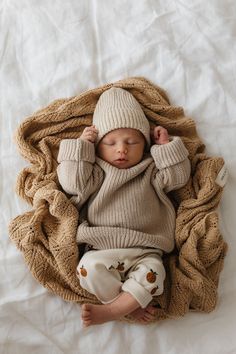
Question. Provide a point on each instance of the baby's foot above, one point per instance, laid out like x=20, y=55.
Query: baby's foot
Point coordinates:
x=144, y=315
x=96, y=314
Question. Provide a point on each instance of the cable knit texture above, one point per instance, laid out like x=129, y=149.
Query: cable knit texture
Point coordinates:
x=46, y=235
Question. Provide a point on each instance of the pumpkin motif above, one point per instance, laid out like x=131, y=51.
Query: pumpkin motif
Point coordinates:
x=83, y=271
x=151, y=276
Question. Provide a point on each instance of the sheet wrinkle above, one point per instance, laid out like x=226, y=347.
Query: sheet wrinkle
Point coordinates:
x=43, y=11
x=97, y=55
x=34, y=328
x=13, y=301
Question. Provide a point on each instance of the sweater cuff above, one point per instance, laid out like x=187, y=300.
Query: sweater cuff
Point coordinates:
x=169, y=154
x=76, y=150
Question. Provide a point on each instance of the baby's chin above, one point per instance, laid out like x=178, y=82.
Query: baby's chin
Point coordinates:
x=123, y=164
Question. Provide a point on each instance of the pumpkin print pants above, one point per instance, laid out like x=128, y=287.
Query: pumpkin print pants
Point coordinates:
x=138, y=271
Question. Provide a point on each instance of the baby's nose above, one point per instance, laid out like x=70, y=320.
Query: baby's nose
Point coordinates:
x=122, y=149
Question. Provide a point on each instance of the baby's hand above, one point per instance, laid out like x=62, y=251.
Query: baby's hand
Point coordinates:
x=89, y=134
x=160, y=135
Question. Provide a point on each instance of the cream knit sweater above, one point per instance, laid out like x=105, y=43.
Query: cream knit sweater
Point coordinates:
x=126, y=207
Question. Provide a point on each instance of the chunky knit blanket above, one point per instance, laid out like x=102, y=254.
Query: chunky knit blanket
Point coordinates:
x=46, y=235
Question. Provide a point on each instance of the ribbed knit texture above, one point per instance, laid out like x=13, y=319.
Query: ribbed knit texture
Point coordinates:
x=117, y=108
x=46, y=235
x=130, y=207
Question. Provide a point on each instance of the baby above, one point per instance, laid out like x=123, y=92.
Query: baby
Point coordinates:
x=119, y=184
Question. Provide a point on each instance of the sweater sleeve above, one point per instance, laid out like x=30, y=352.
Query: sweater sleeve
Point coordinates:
x=173, y=165
x=77, y=172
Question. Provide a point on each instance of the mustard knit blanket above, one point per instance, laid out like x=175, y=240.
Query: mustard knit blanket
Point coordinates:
x=46, y=235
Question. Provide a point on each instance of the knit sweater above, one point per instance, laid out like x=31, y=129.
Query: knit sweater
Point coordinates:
x=125, y=207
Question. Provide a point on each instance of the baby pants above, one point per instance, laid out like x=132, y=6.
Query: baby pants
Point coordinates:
x=105, y=273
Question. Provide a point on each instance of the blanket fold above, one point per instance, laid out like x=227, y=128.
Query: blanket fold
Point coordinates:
x=47, y=235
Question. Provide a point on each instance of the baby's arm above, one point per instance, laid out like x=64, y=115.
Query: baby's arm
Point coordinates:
x=171, y=159
x=76, y=159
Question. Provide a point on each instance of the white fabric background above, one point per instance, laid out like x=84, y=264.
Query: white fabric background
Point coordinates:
x=54, y=49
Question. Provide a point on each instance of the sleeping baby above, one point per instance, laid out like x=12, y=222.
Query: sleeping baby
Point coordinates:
x=120, y=181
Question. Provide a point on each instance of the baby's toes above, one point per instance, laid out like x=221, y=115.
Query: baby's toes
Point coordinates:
x=87, y=322
x=151, y=310
x=86, y=313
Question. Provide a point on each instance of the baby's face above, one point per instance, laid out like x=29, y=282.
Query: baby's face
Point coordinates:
x=122, y=148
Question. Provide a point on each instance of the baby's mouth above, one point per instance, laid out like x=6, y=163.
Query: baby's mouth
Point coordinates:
x=121, y=159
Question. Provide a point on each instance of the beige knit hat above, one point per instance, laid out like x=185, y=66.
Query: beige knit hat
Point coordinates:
x=117, y=108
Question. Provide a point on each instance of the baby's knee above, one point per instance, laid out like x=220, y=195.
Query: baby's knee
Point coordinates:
x=151, y=275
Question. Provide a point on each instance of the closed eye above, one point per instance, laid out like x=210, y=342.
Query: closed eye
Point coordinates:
x=108, y=143
x=132, y=142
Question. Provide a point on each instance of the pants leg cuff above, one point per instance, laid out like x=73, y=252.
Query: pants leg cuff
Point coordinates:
x=137, y=291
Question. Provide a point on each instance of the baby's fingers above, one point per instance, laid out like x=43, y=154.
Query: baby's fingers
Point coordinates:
x=90, y=129
x=90, y=134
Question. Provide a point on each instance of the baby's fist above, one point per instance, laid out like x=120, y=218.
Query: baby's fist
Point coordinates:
x=89, y=134
x=160, y=135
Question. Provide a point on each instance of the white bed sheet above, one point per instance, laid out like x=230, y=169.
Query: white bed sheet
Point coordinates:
x=54, y=49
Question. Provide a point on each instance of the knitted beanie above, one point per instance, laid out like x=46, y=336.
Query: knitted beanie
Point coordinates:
x=117, y=108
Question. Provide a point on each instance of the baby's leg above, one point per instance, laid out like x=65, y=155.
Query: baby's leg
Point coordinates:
x=96, y=277
x=146, y=279
x=134, y=298
x=124, y=304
